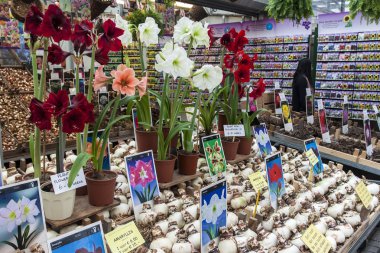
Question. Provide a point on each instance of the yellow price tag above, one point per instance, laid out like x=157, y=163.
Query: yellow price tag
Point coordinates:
x=363, y=193
x=312, y=157
x=125, y=238
x=315, y=240
x=257, y=180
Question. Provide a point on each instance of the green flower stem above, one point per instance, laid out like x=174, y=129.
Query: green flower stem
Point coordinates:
x=61, y=146
x=37, y=152
x=35, y=74
x=161, y=149
x=78, y=140
x=42, y=87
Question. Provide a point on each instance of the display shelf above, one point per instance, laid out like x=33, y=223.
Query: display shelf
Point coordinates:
x=179, y=179
x=82, y=210
x=239, y=158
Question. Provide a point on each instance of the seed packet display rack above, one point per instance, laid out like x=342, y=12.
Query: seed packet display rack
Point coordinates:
x=349, y=64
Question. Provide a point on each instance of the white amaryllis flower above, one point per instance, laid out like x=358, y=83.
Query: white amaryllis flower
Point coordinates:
x=173, y=60
x=149, y=32
x=11, y=216
x=214, y=209
x=199, y=35
x=263, y=138
x=208, y=77
x=29, y=209
x=182, y=31
x=121, y=23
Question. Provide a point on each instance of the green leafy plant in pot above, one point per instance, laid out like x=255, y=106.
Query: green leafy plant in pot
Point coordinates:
x=248, y=115
x=369, y=9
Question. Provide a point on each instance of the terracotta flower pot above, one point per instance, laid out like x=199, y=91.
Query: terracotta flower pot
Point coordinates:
x=101, y=191
x=146, y=140
x=222, y=120
x=245, y=145
x=230, y=148
x=57, y=207
x=187, y=162
x=165, y=169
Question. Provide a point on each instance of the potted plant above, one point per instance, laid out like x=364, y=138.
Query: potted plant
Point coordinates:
x=249, y=115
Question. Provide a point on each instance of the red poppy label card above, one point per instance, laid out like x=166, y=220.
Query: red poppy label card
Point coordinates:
x=367, y=133
x=88, y=239
x=286, y=116
x=142, y=179
x=345, y=116
x=213, y=206
x=310, y=109
x=22, y=221
x=99, y=143
x=277, y=100
x=216, y=161
x=323, y=122
x=275, y=175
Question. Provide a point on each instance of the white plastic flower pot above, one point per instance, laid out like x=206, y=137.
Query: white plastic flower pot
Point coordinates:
x=58, y=207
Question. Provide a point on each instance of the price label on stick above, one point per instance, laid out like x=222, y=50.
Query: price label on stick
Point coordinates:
x=125, y=238
x=315, y=240
x=312, y=157
x=363, y=193
x=234, y=130
x=257, y=180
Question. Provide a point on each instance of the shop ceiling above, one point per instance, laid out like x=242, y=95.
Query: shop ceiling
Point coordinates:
x=254, y=7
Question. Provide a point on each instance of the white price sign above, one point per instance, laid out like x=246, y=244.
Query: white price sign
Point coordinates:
x=233, y=130
x=60, y=181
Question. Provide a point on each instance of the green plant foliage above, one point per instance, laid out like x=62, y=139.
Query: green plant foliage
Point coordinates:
x=290, y=9
x=370, y=10
x=138, y=17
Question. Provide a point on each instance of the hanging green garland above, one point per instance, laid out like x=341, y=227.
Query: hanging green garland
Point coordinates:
x=370, y=10
x=290, y=9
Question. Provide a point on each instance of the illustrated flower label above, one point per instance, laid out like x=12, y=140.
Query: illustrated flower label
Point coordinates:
x=216, y=161
x=234, y=130
x=262, y=138
x=363, y=193
x=367, y=133
x=312, y=145
x=275, y=175
x=345, y=116
x=257, y=180
x=60, y=181
x=125, y=238
x=315, y=240
x=312, y=157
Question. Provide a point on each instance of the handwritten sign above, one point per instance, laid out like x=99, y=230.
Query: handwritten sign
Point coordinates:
x=233, y=130
x=315, y=240
x=312, y=157
x=60, y=181
x=363, y=193
x=125, y=238
x=257, y=180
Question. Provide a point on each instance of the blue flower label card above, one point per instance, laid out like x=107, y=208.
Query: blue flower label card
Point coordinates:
x=88, y=239
x=216, y=161
x=345, y=115
x=263, y=141
x=275, y=175
x=311, y=144
x=213, y=213
x=142, y=179
x=367, y=133
x=22, y=221
x=98, y=142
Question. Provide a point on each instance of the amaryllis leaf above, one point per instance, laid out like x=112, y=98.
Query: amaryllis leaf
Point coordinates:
x=78, y=164
x=10, y=244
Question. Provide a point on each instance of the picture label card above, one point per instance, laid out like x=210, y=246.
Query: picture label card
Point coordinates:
x=286, y=116
x=377, y=115
x=233, y=130
x=312, y=145
x=22, y=217
x=275, y=175
x=263, y=141
x=88, y=239
x=277, y=101
x=216, y=161
x=213, y=206
x=367, y=133
x=363, y=193
x=345, y=115
x=257, y=180
x=315, y=240
x=310, y=109
x=142, y=176
x=60, y=181
x=312, y=157
x=125, y=238
x=323, y=122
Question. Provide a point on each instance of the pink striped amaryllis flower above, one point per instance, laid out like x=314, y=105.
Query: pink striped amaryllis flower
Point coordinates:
x=142, y=173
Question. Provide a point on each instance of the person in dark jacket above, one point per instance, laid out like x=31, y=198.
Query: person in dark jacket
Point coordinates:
x=301, y=81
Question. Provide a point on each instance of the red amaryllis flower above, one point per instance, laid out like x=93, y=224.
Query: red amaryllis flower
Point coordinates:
x=242, y=74
x=80, y=102
x=56, y=54
x=101, y=56
x=243, y=60
x=259, y=90
x=79, y=47
x=73, y=121
x=109, y=40
x=275, y=173
x=228, y=61
x=239, y=42
x=83, y=33
x=39, y=116
x=55, y=24
x=211, y=36
x=33, y=20
x=57, y=104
